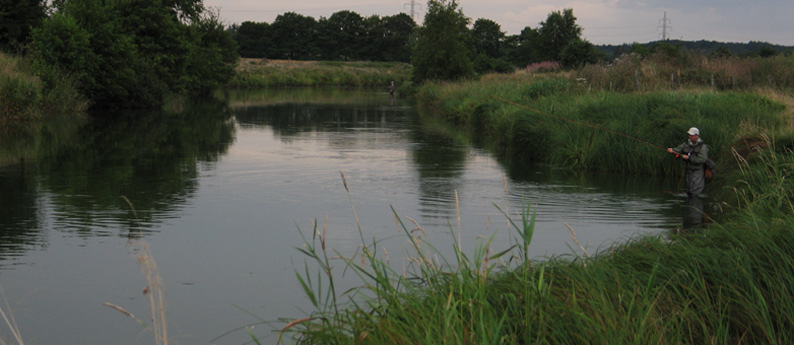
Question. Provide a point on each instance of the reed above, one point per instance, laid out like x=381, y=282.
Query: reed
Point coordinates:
x=729, y=284
x=8, y=319
x=559, y=121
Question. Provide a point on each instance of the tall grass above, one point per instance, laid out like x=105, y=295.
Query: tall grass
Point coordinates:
x=29, y=92
x=689, y=69
x=559, y=121
x=730, y=284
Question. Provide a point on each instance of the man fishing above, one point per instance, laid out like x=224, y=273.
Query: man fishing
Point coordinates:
x=695, y=153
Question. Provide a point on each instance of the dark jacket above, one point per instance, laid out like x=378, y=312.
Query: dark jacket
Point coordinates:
x=698, y=153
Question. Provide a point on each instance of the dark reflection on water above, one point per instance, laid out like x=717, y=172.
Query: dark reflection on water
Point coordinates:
x=218, y=188
x=92, y=174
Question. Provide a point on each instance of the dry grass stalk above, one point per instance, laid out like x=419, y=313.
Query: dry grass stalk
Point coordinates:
x=120, y=309
x=10, y=321
x=575, y=240
x=156, y=294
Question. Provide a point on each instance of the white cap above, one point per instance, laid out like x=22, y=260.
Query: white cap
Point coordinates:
x=693, y=131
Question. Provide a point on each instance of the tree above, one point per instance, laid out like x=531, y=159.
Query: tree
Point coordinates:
x=346, y=30
x=488, y=37
x=528, y=48
x=132, y=53
x=393, y=37
x=766, y=52
x=578, y=53
x=442, y=51
x=294, y=37
x=211, y=63
x=253, y=39
x=721, y=52
x=556, y=32
x=17, y=19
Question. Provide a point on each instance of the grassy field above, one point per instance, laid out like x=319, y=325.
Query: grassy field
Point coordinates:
x=273, y=73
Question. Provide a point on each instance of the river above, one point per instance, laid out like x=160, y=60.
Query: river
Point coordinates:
x=220, y=191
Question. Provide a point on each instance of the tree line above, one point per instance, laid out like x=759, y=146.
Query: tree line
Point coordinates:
x=447, y=34
x=132, y=53
x=122, y=53
x=345, y=35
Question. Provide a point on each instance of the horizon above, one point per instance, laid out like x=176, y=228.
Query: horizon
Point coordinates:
x=611, y=22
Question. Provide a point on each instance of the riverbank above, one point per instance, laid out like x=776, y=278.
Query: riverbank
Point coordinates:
x=727, y=283
x=257, y=73
x=26, y=95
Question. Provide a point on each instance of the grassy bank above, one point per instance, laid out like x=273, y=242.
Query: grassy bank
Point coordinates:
x=272, y=73
x=555, y=120
x=730, y=283
x=26, y=95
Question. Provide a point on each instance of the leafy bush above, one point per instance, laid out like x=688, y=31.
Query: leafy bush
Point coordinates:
x=133, y=53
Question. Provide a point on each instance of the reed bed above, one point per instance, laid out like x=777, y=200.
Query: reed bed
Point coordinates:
x=274, y=73
x=559, y=121
x=729, y=284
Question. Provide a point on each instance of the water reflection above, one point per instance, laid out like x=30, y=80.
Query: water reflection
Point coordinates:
x=439, y=162
x=82, y=171
x=218, y=188
x=694, y=212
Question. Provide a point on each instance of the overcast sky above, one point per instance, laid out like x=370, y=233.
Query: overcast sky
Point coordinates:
x=603, y=21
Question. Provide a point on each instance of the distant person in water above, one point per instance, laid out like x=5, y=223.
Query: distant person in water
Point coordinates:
x=391, y=92
x=695, y=153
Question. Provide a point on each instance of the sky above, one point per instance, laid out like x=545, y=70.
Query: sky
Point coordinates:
x=602, y=21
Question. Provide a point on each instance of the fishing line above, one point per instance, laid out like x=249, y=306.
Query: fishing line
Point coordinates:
x=580, y=123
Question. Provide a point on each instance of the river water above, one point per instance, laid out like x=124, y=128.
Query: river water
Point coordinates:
x=220, y=191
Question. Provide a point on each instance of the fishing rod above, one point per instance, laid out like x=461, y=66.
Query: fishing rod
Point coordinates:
x=579, y=123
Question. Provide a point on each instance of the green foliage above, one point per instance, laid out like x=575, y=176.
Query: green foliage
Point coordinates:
x=558, y=122
x=132, y=53
x=325, y=73
x=292, y=37
x=394, y=42
x=253, y=39
x=559, y=30
x=211, y=64
x=578, y=53
x=442, y=51
x=17, y=18
x=557, y=39
x=487, y=36
x=345, y=33
x=672, y=68
x=25, y=96
x=729, y=283
x=343, y=36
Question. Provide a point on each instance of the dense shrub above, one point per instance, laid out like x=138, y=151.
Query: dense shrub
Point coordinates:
x=133, y=53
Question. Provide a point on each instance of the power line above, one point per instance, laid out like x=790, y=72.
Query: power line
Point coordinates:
x=664, y=21
x=413, y=4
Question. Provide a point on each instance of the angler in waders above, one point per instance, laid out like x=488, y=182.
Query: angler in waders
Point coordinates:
x=695, y=153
